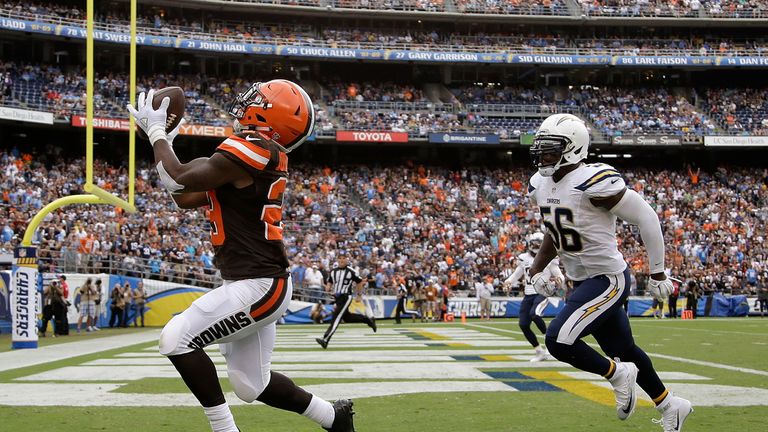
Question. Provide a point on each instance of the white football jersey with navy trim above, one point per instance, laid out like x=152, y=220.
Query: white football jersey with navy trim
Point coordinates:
x=584, y=235
x=524, y=262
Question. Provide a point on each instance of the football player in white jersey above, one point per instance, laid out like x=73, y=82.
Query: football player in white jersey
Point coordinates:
x=579, y=204
x=531, y=301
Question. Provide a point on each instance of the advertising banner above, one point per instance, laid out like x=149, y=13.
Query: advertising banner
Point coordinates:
x=463, y=138
x=559, y=59
x=655, y=61
x=28, y=116
x=5, y=298
x=121, y=35
x=736, y=141
x=372, y=136
x=101, y=123
x=24, y=298
x=186, y=129
x=647, y=140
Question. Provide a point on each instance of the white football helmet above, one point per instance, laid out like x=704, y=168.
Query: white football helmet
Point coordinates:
x=534, y=242
x=561, y=134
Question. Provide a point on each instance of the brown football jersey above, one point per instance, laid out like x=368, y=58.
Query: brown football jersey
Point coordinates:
x=246, y=227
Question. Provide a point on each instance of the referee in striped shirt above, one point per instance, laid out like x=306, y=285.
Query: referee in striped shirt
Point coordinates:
x=341, y=280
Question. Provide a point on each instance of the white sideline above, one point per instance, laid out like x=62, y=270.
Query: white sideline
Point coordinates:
x=26, y=357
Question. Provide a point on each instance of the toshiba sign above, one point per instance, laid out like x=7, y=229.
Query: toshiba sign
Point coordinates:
x=372, y=136
x=186, y=129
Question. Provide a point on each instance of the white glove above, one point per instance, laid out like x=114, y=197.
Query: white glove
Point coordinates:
x=151, y=121
x=172, y=134
x=660, y=289
x=542, y=285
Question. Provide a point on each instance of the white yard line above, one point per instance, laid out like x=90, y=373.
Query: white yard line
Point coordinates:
x=25, y=357
x=712, y=331
x=710, y=364
x=669, y=357
x=496, y=329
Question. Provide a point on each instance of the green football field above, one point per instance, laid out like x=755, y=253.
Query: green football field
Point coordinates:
x=413, y=377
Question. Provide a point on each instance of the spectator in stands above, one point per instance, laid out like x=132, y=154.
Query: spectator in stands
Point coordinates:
x=117, y=306
x=87, y=306
x=48, y=299
x=139, y=296
x=127, y=294
x=97, y=297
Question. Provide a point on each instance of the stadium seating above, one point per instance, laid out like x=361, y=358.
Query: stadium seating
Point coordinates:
x=427, y=219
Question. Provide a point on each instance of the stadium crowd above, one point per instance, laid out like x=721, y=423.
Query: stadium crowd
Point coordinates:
x=456, y=226
x=171, y=22
x=742, y=111
x=612, y=111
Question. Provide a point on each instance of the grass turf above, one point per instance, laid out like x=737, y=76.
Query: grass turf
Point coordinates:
x=739, y=343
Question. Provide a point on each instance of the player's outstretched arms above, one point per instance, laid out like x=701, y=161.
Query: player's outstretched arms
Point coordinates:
x=190, y=200
x=200, y=175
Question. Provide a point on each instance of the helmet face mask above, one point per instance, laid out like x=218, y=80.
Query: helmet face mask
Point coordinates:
x=252, y=96
x=535, y=241
x=544, y=146
x=279, y=110
x=562, y=139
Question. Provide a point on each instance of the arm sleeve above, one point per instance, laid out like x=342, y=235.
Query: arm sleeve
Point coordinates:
x=554, y=269
x=633, y=209
x=355, y=277
x=514, y=277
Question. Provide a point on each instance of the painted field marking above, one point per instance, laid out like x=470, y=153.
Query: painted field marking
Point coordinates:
x=585, y=389
x=23, y=358
x=712, y=331
x=494, y=329
x=710, y=364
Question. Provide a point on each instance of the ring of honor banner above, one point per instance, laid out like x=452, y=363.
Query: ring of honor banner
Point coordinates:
x=202, y=42
x=24, y=298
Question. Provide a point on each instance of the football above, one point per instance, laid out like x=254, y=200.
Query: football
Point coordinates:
x=175, y=108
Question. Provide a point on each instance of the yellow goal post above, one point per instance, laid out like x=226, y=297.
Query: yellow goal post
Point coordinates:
x=95, y=194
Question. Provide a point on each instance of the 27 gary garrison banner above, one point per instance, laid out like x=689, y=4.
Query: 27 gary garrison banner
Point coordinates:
x=24, y=298
x=463, y=138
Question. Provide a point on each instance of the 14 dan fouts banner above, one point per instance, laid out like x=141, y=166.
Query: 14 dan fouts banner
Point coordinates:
x=372, y=136
x=186, y=129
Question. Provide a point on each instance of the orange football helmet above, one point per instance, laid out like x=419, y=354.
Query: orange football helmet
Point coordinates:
x=279, y=110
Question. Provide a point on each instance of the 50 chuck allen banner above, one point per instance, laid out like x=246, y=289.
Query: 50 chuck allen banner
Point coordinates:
x=24, y=298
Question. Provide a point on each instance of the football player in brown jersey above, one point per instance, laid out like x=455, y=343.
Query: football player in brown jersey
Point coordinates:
x=242, y=184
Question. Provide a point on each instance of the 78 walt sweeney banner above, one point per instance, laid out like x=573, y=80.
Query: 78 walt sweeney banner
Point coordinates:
x=261, y=46
x=24, y=298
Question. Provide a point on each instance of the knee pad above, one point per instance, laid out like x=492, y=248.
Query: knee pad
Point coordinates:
x=244, y=388
x=172, y=337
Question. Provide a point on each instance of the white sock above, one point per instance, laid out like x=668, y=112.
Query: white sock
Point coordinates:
x=221, y=418
x=320, y=411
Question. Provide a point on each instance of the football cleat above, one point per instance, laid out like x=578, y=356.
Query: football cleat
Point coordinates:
x=342, y=421
x=623, y=382
x=323, y=343
x=541, y=354
x=373, y=324
x=674, y=410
